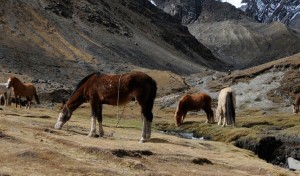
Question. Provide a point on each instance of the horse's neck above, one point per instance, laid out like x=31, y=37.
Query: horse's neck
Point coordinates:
x=74, y=102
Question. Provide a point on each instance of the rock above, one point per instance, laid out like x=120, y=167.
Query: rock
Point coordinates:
x=293, y=164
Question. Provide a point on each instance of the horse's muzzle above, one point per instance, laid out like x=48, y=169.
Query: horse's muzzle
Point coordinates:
x=58, y=125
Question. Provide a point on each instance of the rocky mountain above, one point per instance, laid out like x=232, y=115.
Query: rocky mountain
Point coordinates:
x=232, y=36
x=190, y=11
x=113, y=36
x=285, y=11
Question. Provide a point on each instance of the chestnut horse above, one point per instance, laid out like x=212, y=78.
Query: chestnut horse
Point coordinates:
x=195, y=101
x=22, y=90
x=296, y=104
x=226, y=107
x=99, y=89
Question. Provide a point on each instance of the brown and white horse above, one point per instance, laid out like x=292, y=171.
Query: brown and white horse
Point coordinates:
x=195, y=101
x=99, y=89
x=226, y=107
x=296, y=104
x=22, y=90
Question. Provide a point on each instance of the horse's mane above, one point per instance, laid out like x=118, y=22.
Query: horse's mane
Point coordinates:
x=83, y=81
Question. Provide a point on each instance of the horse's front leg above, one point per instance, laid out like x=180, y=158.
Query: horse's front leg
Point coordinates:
x=183, y=116
x=93, y=127
x=96, y=113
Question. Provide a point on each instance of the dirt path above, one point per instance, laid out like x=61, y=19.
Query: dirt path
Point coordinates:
x=29, y=145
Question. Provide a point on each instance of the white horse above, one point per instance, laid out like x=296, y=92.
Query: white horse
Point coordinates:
x=226, y=107
x=6, y=92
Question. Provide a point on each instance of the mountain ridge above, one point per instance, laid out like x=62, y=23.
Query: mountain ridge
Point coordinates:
x=234, y=37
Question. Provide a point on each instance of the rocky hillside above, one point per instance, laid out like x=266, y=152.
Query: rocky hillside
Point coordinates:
x=231, y=35
x=68, y=38
x=287, y=12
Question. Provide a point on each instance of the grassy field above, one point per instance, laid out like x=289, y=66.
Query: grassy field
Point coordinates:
x=29, y=144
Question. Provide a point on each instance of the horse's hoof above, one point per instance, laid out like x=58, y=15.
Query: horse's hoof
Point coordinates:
x=142, y=140
x=92, y=135
x=101, y=134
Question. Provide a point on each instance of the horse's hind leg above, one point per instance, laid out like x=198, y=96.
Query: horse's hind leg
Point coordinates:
x=28, y=103
x=5, y=98
x=219, y=116
x=146, y=134
x=99, y=119
x=147, y=122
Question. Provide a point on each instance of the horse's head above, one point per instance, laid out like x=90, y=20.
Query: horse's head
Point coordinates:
x=178, y=118
x=63, y=117
x=295, y=108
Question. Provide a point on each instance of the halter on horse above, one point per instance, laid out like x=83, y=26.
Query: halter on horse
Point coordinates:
x=99, y=89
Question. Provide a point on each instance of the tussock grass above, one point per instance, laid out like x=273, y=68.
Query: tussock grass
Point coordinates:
x=248, y=127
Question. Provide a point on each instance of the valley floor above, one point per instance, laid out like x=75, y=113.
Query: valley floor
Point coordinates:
x=29, y=145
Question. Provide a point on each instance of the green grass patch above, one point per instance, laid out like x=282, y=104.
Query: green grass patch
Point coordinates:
x=248, y=127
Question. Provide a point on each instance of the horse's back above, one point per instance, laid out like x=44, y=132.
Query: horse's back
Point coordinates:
x=138, y=78
x=29, y=90
x=223, y=94
x=195, y=101
x=116, y=89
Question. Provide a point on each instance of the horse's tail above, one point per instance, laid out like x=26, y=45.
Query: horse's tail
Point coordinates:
x=37, y=98
x=151, y=97
x=230, y=109
x=207, y=108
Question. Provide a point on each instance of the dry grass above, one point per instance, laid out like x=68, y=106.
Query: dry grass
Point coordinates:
x=28, y=140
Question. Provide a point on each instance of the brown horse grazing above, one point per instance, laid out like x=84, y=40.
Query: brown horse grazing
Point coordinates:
x=99, y=89
x=226, y=107
x=22, y=90
x=195, y=101
x=296, y=104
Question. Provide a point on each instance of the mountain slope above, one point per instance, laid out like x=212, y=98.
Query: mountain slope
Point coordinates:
x=245, y=44
x=235, y=38
x=60, y=36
